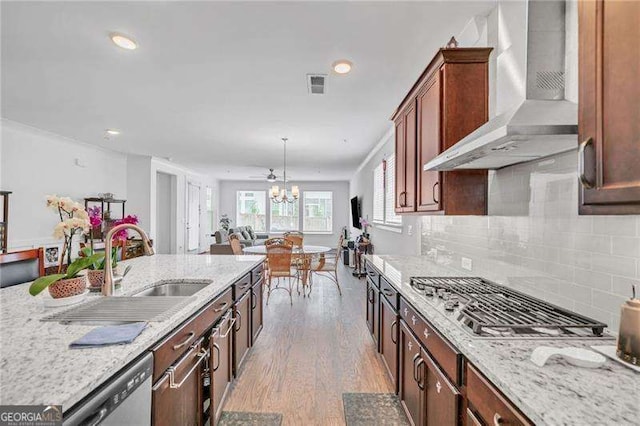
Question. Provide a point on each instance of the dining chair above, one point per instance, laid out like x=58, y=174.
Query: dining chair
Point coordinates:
x=21, y=266
x=236, y=247
x=279, y=253
x=327, y=266
x=296, y=237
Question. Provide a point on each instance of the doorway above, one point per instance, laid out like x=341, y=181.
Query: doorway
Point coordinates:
x=166, y=213
x=193, y=216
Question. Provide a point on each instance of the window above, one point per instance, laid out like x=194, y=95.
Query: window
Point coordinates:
x=251, y=209
x=284, y=217
x=384, y=185
x=318, y=211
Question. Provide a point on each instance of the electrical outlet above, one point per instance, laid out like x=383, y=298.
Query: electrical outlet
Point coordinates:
x=467, y=264
x=409, y=229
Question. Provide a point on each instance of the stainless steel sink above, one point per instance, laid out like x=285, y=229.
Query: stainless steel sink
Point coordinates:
x=173, y=288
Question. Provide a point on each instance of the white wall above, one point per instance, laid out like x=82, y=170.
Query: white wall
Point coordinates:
x=341, y=213
x=35, y=163
x=404, y=240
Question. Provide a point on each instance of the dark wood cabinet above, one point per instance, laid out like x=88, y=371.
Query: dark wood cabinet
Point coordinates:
x=177, y=395
x=412, y=376
x=449, y=101
x=389, y=339
x=487, y=404
x=373, y=310
x=406, y=163
x=443, y=398
x=220, y=363
x=609, y=107
x=242, y=331
x=256, y=310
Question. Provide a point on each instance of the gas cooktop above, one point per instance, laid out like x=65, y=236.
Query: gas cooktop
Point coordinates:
x=487, y=309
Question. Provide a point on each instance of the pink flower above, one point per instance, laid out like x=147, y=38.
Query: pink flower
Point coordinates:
x=95, y=216
x=123, y=235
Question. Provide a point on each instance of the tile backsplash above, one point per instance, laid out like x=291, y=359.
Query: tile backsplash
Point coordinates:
x=534, y=240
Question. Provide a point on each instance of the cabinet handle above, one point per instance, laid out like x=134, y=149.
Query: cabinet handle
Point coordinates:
x=172, y=371
x=415, y=358
x=239, y=318
x=420, y=381
x=372, y=297
x=185, y=342
x=435, y=200
x=222, y=307
x=394, y=324
x=224, y=336
x=255, y=297
x=159, y=383
x=388, y=292
x=497, y=420
x=217, y=348
x=438, y=386
x=581, y=164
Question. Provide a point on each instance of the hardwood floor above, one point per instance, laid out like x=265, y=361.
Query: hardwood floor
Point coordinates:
x=309, y=354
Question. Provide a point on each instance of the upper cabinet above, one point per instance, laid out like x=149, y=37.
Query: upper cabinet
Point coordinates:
x=449, y=101
x=609, y=107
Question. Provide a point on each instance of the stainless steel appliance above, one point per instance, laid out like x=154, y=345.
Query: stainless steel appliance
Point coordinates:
x=487, y=309
x=123, y=400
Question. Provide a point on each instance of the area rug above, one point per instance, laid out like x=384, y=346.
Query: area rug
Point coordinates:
x=244, y=418
x=366, y=409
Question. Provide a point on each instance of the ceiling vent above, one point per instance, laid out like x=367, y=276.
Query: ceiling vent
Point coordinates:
x=316, y=83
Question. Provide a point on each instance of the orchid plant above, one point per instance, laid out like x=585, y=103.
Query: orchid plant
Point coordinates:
x=365, y=224
x=74, y=220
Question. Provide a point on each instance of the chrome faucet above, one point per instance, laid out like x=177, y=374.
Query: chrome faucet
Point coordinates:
x=108, y=286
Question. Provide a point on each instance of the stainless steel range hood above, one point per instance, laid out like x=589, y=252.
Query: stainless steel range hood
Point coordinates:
x=544, y=124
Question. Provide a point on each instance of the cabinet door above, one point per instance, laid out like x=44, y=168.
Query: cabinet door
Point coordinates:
x=609, y=107
x=370, y=307
x=429, y=145
x=256, y=310
x=373, y=309
x=242, y=331
x=412, y=376
x=400, y=164
x=177, y=399
x=443, y=399
x=410, y=159
x=389, y=339
x=221, y=362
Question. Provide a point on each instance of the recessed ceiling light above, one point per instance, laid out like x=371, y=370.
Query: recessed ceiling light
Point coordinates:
x=113, y=132
x=123, y=41
x=342, y=66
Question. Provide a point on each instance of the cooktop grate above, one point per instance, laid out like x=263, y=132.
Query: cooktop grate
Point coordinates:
x=485, y=304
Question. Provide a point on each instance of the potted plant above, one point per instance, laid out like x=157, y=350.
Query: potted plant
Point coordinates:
x=74, y=220
x=69, y=284
x=225, y=222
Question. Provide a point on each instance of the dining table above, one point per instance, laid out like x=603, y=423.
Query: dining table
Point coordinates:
x=304, y=252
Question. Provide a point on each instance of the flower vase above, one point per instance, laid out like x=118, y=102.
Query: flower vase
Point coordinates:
x=68, y=287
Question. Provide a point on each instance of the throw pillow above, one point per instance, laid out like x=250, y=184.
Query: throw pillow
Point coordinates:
x=246, y=235
x=251, y=233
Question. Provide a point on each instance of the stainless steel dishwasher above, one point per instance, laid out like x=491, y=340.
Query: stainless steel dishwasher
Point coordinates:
x=123, y=400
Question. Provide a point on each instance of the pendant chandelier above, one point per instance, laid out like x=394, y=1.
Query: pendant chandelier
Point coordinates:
x=278, y=195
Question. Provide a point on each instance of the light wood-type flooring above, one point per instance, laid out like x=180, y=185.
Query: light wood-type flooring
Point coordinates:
x=309, y=354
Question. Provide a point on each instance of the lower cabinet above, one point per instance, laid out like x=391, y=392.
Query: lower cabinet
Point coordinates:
x=220, y=364
x=411, y=380
x=373, y=307
x=177, y=395
x=256, y=310
x=443, y=399
x=389, y=339
x=242, y=331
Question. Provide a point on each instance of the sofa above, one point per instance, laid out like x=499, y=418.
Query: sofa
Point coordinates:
x=246, y=235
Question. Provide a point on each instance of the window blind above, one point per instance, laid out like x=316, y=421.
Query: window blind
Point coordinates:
x=390, y=190
x=378, y=193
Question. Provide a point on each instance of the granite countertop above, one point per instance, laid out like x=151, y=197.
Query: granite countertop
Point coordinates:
x=555, y=394
x=36, y=364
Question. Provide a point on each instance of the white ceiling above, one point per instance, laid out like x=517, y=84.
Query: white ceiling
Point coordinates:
x=215, y=85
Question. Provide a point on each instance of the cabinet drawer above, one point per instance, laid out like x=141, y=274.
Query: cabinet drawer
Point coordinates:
x=448, y=357
x=256, y=273
x=389, y=293
x=179, y=341
x=373, y=274
x=241, y=286
x=490, y=405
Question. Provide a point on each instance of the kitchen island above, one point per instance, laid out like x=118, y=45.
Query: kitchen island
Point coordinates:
x=555, y=394
x=36, y=364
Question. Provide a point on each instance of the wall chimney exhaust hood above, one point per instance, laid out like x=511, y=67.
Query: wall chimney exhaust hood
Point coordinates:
x=544, y=123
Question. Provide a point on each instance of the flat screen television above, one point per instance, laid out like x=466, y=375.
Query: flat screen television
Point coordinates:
x=355, y=213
